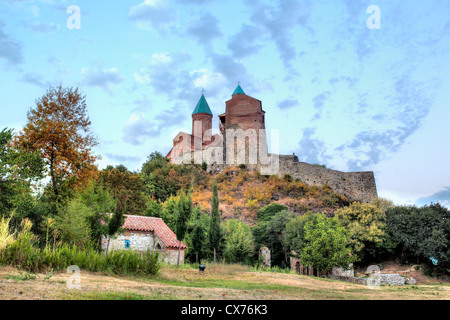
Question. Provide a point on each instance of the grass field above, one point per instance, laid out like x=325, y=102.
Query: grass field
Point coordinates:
x=218, y=282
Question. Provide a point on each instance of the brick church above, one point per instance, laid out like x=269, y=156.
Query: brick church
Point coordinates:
x=241, y=112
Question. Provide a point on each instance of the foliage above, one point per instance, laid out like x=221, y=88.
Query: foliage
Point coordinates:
x=266, y=213
x=169, y=213
x=421, y=233
x=215, y=232
x=327, y=244
x=6, y=237
x=100, y=202
x=126, y=188
x=367, y=226
x=19, y=171
x=59, y=129
x=271, y=234
x=163, y=179
x=183, y=211
x=238, y=241
x=23, y=253
x=72, y=223
x=198, y=237
x=294, y=238
x=154, y=209
x=382, y=204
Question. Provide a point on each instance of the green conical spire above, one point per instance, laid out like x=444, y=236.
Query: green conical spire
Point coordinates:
x=202, y=106
x=238, y=90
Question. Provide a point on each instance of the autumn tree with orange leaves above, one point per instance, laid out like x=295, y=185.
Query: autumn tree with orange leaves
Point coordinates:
x=59, y=128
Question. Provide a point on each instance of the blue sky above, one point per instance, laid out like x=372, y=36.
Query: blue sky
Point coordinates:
x=341, y=94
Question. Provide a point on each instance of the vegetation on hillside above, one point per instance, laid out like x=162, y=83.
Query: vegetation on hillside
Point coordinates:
x=48, y=179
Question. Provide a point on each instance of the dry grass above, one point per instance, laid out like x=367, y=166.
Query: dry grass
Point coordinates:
x=237, y=282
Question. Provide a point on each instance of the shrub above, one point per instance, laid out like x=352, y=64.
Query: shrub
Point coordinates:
x=22, y=253
x=266, y=213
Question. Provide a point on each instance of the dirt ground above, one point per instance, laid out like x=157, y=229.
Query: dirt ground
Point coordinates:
x=219, y=282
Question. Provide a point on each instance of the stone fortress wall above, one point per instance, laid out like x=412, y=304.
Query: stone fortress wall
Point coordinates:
x=357, y=186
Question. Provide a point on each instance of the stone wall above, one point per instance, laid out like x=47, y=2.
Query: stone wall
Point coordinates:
x=139, y=241
x=377, y=279
x=142, y=241
x=350, y=272
x=357, y=186
x=264, y=254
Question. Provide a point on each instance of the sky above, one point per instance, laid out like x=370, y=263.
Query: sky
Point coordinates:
x=351, y=84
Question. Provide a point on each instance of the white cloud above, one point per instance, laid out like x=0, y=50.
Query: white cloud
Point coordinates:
x=102, y=78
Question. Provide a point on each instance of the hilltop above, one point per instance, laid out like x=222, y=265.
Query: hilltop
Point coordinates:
x=243, y=192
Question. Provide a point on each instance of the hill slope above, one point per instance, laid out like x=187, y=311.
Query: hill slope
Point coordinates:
x=242, y=193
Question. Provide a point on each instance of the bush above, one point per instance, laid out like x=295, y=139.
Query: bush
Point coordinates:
x=266, y=213
x=23, y=254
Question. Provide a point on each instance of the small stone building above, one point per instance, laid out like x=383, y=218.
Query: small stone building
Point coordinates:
x=142, y=233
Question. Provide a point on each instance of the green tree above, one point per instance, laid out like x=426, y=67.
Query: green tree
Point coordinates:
x=169, y=213
x=266, y=213
x=421, y=233
x=367, y=226
x=117, y=220
x=274, y=237
x=19, y=171
x=183, y=211
x=126, y=187
x=294, y=237
x=215, y=232
x=198, y=235
x=72, y=223
x=154, y=209
x=238, y=241
x=101, y=203
x=327, y=245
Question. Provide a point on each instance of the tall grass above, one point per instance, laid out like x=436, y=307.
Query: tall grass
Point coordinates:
x=5, y=236
x=21, y=251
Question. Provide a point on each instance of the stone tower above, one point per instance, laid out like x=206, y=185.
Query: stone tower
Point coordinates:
x=245, y=113
x=202, y=121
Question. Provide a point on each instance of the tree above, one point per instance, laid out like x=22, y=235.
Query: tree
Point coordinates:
x=125, y=185
x=100, y=202
x=72, y=223
x=59, y=129
x=327, y=245
x=266, y=213
x=294, y=237
x=421, y=233
x=367, y=226
x=215, y=232
x=154, y=209
x=168, y=213
x=273, y=237
x=238, y=241
x=19, y=169
x=198, y=235
x=183, y=211
x=117, y=220
x=163, y=179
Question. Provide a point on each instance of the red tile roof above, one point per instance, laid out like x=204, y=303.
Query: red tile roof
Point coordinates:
x=156, y=225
